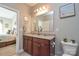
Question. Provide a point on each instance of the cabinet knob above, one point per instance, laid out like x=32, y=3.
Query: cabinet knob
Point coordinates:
x=53, y=44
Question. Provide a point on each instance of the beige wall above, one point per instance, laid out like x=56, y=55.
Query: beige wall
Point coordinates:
x=25, y=12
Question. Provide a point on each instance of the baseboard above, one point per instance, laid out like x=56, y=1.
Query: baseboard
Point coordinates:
x=58, y=53
x=20, y=51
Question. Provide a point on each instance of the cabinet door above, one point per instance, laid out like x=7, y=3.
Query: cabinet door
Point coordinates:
x=29, y=46
x=45, y=47
x=36, y=49
x=24, y=43
x=45, y=50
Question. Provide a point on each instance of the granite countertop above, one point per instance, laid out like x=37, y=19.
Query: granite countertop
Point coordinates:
x=48, y=37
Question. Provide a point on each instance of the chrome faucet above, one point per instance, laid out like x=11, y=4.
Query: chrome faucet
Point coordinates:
x=39, y=30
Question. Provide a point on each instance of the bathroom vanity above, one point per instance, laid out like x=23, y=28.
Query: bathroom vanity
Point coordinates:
x=40, y=42
x=38, y=45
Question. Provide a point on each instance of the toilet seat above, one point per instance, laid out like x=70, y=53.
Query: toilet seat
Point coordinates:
x=66, y=55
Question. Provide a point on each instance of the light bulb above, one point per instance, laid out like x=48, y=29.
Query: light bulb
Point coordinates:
x=44, y=7
x=40, y=8
x=25, y=18
x=37, y=10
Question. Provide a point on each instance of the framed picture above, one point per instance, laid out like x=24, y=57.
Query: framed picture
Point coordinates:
x=67, y=10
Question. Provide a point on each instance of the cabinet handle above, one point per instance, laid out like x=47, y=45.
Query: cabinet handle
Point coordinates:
x=53, y=44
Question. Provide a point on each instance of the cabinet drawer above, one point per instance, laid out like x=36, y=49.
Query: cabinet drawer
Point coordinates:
x=44, y=42
x=36, y=40
x=28, y=37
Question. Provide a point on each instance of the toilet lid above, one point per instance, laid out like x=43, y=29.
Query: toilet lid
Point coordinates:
x=66, y=55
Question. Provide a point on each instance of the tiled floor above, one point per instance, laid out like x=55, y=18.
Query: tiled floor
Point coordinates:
x=8, y=50
x=11, y=51
x=24, y=54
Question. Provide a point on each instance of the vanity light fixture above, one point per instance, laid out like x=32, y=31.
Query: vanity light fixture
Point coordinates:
x=37, y=10
x=41, y=10
x=43, y=7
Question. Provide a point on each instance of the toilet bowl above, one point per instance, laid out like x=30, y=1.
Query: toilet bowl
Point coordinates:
x=69, y=48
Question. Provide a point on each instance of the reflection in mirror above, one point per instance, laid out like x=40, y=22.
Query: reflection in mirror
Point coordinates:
x=44, y=23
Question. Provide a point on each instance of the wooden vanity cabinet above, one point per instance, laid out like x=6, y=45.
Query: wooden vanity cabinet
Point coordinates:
x=36, y=46
x=36, y=49
x=44, y=47
x=41, y=47
x=27, y=44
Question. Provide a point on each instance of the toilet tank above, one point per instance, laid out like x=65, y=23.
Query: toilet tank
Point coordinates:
x=69, y=48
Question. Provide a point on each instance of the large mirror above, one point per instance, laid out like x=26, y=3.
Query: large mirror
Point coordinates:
x=44, y=23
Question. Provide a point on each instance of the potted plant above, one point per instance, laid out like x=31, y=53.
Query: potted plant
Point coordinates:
x=65, y=40
x=0, y=39
x=73, y=41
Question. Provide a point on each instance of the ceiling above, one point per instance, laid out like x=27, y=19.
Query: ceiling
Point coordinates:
x=31, y=4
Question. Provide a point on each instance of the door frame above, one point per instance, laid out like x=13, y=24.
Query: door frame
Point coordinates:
x=18, y=20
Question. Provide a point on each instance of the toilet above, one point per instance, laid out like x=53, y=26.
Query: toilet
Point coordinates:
x=69, y=48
